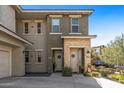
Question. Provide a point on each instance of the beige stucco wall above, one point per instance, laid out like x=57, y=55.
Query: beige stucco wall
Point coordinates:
x=38, y=40
x=17, y=47
x=7, y=17
x=77, y=43
x=18, y=64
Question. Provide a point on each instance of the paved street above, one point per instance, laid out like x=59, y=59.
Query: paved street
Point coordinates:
x=54, y=81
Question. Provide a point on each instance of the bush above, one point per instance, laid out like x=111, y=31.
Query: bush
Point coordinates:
x=96, y=74
x=116, y=76
x=121, y=81
x=105, y=72
x=88, y=74
x=67, y=71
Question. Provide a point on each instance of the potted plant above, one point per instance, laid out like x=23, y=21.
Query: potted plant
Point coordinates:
x=67, y=71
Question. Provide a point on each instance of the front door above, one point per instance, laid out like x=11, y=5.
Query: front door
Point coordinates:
x=58, y=60
x=75, y=59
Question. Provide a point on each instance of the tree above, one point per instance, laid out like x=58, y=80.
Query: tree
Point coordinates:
x=94, y=57
x=114, y=53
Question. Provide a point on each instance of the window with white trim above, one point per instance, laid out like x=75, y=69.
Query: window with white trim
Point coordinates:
x=39, y=56
x=26, y=27
x=38, y=27
x=27, y=56
x=55, y=25
x=74, y=25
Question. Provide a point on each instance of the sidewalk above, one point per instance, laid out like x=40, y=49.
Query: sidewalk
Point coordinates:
x=106, y=83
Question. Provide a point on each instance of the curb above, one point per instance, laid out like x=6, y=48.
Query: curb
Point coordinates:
x=98, y=81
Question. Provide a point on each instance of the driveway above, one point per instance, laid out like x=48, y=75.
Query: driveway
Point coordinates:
x=54, y=81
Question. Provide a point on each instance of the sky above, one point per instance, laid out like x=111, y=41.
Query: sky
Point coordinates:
x=106, y=22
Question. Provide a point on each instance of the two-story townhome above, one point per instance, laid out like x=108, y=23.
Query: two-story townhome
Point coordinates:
x=45, y=37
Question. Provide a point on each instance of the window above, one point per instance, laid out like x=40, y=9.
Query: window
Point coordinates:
x=39, y=59
x=26, y=27
x=55, y=25
x=27, y=56
x=38, y=27
x=74, y=25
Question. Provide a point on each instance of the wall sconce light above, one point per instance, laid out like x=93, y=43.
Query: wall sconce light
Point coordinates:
x=72, y=55
x=23, y=51
x=88, y=51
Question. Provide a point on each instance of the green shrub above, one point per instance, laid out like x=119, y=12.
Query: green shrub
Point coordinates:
x=116, y=76
x=121, y=81
x=88, y=74
x=96, y=74
x=67, y=71
x=122, y=77
x=105, y=72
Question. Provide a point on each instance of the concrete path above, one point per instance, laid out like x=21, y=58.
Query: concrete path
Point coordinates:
x=106, y=83
x=56, y=80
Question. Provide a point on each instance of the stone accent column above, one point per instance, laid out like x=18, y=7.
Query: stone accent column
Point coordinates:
x=80, y=43
x=87, y=58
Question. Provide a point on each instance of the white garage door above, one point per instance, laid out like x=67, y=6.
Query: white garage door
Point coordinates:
x=4, y=64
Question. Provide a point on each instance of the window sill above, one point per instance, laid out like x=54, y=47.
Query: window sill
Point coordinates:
x=39, y=63
x=55, y=33
x=32, y=34
x=75, y=33
x=26, y=34
x=35, y=63
x=39, y=34
x=27, y=63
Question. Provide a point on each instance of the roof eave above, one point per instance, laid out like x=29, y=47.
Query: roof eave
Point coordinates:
x=7, y=31
x=81, y=11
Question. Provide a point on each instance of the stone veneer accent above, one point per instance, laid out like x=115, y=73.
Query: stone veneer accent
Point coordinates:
x=68, y=42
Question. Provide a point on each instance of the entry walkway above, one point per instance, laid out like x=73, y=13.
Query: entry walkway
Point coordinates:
x=106, y=83
x=56, y=80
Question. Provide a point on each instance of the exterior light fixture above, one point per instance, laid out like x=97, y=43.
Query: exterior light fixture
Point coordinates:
x=88, y=51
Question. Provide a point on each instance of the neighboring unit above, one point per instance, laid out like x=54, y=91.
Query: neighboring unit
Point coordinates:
x=98, y=50
x=11, y=45
x=32, y=40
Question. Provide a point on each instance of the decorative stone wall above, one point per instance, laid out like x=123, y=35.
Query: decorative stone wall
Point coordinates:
x=77, y=43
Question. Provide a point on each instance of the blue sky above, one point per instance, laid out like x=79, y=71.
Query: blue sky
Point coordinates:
x=106, y=22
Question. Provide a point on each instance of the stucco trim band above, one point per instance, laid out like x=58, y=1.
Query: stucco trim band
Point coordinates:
x=77, y=46
x=81, y=37
x=56, y=48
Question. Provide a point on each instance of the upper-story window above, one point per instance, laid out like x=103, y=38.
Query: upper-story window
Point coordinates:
x=39, y=27
x=56, y=25
x=74, y=25
x=26, y=27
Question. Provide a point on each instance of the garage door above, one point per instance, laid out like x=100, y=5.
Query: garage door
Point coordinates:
x=4, y=64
